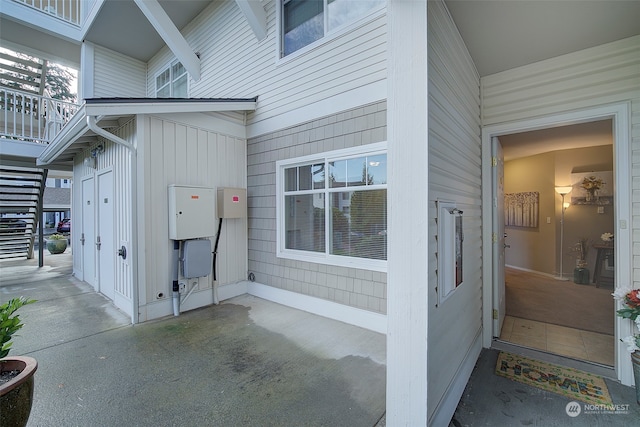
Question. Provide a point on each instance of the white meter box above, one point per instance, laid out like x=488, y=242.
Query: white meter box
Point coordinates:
x=191, y=212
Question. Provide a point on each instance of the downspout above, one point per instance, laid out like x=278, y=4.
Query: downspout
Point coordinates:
x=93, y=125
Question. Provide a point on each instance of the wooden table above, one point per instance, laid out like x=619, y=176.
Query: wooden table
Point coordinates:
x=605, y=251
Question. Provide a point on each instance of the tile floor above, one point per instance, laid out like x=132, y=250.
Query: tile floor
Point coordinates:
x=569, y=342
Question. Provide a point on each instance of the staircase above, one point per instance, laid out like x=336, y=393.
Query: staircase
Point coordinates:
x=21, y=194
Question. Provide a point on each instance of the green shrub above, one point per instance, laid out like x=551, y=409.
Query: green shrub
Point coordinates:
x=10, y=322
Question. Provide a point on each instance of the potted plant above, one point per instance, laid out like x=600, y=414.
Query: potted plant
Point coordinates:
x=630, y=299
x=16, y=372
x=56, y=244
x=581, y=272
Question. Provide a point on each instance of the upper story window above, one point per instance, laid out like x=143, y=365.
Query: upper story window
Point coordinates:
x=332, y=208
x=305, y=21
x=172, y=82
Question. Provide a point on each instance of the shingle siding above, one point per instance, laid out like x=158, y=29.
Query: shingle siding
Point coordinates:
x=354, y=287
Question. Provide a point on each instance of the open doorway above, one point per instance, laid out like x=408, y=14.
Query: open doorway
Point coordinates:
x=619, y=114
x=559, y=271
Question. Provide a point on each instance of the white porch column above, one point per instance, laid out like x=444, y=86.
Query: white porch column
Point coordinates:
x=407, y=305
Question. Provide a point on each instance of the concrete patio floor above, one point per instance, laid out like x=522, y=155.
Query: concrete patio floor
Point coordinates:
x=245, y=362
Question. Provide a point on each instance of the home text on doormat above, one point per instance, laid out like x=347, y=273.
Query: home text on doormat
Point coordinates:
x=571, y=383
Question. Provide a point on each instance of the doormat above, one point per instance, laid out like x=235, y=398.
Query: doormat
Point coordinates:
x=568, y=382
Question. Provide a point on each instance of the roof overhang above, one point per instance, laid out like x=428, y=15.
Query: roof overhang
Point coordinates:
x=76, y=135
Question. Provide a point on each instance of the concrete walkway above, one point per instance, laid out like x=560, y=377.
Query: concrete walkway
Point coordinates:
x=245, y=362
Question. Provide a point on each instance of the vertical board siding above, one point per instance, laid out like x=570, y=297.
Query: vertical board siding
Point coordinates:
x=353, y=287
x=454, y=175
x=592, y=77
x=117, y=158
x=235, y=64
x=117, y=75
x=177, y=153
x=121, y=159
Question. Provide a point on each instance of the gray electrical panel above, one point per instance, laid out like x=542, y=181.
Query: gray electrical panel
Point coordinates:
x=196, y=258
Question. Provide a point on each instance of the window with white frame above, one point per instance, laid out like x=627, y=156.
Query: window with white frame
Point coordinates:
x=332, y=208
x=172, y=82
x=305, y=21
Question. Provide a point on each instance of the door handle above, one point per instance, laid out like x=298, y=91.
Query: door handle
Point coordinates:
x=507, y=246
x=82, y=239
x=98, y=243
x=122, y=252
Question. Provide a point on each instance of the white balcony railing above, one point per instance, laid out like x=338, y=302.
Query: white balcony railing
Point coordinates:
x=33, y=118
x=67, y=10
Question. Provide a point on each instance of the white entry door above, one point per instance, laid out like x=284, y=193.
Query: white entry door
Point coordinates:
x=106, y=234
x=88, y=233
x=499, y=302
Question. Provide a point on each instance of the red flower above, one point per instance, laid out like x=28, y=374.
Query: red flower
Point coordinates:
x=632, y=299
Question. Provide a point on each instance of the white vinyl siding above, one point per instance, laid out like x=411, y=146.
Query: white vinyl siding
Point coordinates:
x=596, y=76
x=455, y=176
x=355, y=287
x=235, y=65
x=117, y=75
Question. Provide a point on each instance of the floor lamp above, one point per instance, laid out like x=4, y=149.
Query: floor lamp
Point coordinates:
x=562, y=191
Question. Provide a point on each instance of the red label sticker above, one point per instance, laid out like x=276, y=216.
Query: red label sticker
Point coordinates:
x=195, y=197
x=236, y=199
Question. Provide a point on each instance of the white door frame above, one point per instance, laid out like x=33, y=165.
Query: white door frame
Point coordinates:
x=620, y=115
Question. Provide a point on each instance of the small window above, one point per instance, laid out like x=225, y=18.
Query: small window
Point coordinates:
x=306, y=21
x=333, y=209
x=172, y=82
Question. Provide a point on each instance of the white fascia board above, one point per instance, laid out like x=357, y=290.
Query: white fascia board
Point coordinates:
x=171, y=35
x=115, y=109
x=69, y=134
x=34, y=18
x=255, y=15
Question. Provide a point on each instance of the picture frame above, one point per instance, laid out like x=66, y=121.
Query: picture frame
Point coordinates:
x=592, y=188
x=522, y=209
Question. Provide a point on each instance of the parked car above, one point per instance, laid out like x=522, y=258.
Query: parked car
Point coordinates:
x=64, y=226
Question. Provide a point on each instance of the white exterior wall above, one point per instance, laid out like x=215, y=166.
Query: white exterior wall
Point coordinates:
x=235, y=65
x=455, y=326
x=117, y=75
x=184, y=150
x=600, y=78
x=118, y=159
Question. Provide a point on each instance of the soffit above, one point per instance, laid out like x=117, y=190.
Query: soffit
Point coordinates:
x=121, y=26
x=501, y=35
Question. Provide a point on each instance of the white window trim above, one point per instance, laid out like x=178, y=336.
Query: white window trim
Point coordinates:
x=372, y=15
x=169, y=65
x=325, y=257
